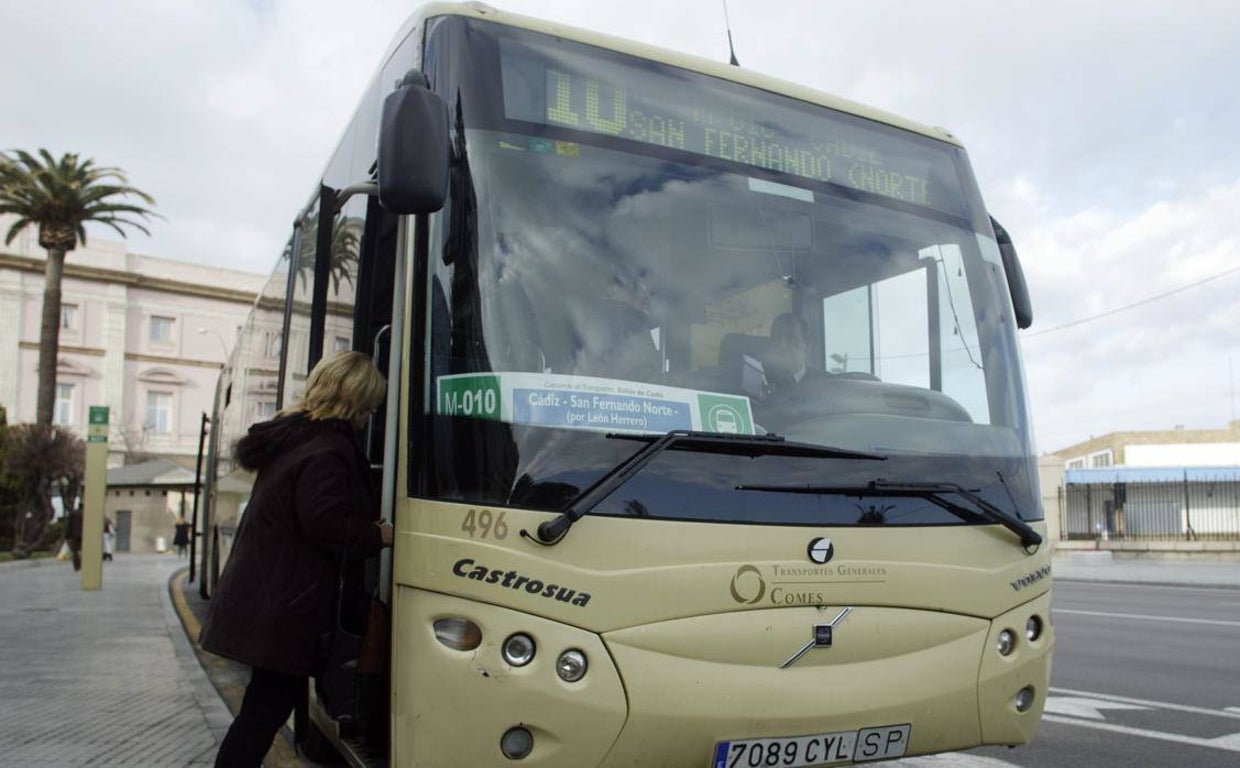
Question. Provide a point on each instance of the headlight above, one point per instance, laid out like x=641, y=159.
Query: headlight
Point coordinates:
x=458, y=634
x=1007, y=641
x=571, y=666
x=518, y=649
x=1033, y=628
x=1024, y=699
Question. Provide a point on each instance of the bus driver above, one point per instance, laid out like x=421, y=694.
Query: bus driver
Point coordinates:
x=785, y=359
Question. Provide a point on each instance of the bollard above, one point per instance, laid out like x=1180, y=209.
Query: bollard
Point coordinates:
x=92, y=499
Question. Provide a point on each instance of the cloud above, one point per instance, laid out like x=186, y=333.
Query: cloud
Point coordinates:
x=225, y=112
x=229, y=109
x=1102, y=135
x=1162, y=363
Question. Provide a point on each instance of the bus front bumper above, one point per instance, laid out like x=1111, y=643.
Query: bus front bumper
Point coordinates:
x=677, y=692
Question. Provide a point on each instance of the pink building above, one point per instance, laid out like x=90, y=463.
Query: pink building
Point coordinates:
x=144, y=336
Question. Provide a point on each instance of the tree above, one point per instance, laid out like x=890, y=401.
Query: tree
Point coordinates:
x=9, y=489
x=60, y=197
x=38, y=456
x=342, y=263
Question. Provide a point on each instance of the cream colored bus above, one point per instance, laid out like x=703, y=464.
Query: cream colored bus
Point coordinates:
x=707, y=441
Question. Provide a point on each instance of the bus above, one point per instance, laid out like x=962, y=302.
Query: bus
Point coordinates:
x=706, y=440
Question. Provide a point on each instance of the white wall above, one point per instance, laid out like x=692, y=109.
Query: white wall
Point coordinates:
x=1183, y=455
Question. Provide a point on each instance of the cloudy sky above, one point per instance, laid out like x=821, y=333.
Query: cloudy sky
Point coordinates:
x=1105, y=135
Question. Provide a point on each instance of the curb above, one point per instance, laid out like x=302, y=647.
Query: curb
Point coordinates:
x=33, y=562
x=176, y=589
x=1135, y=583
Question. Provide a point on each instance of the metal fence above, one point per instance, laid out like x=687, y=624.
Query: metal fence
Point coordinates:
x=1181, y=510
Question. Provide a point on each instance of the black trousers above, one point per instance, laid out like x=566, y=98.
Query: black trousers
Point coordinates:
x=268, y=703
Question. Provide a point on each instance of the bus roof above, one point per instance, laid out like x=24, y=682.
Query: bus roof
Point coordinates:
x=664, y=55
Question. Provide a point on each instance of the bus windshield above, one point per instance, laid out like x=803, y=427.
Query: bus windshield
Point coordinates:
x=632, y=248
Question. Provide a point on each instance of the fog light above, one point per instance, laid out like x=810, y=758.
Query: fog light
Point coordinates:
x=1024, y=699
x=1007, y=641
x=571, y=666
x=516, y=743
x=1033, y=628
x=518, y=649
x=458, y=634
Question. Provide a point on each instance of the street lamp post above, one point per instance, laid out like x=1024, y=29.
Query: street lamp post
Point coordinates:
x=219, y=338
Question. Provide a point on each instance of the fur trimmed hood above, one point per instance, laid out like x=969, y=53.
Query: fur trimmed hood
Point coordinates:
x=268, y=439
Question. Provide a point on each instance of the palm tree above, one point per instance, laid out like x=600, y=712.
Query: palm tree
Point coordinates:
x=59, y=197
x=346, y=241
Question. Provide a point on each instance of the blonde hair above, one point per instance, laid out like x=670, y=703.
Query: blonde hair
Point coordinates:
x=346, y=385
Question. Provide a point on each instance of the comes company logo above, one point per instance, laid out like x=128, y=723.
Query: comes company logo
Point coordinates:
x=748, y=586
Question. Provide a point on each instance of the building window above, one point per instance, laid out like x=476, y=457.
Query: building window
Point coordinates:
x=161, y=329
x=1100, y=459
x=1075, y=464
x=68, y=316
x=266, y=410
x=63, y=414
x=272, y=341
x=159, y=412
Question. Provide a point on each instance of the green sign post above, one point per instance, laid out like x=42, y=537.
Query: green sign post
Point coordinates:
x=92, y=499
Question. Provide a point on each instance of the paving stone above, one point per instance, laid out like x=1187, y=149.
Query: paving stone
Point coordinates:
x=103, y=678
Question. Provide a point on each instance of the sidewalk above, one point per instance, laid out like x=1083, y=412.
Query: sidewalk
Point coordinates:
x=1103, y=567
x=104, y=678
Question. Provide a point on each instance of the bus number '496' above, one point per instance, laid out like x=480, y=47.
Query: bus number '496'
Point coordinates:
x=482, y=524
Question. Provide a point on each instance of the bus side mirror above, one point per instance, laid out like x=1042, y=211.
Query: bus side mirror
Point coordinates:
x=1017, y=286
x=413, y=148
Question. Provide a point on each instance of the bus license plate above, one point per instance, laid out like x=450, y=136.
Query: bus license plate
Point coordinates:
x=820, y=749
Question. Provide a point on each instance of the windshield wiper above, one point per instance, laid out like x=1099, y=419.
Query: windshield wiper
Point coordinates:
x=551, y=531
x=935, y=493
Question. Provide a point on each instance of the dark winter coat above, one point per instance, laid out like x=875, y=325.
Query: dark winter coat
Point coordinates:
x=278, y=591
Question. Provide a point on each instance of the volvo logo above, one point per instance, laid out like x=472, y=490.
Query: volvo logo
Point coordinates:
x=824, y=637
x=748, y=586
x=821, y=550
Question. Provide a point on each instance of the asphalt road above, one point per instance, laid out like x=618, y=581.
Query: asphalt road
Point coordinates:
x=1143, y=675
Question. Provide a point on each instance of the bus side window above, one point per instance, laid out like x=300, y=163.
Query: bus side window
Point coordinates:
x=846, y=339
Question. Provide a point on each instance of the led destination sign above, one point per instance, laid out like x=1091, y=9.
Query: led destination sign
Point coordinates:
x=669, y=108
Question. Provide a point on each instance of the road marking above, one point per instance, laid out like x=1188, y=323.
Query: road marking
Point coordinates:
x=1146, y=617
x=1230, y=742
x=951, y=760
x=1084, y=706
x=1089, y=708
x=1229, y=712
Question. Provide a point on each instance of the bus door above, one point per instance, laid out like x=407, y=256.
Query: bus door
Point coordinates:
x=357, y=263
x=372, y=333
